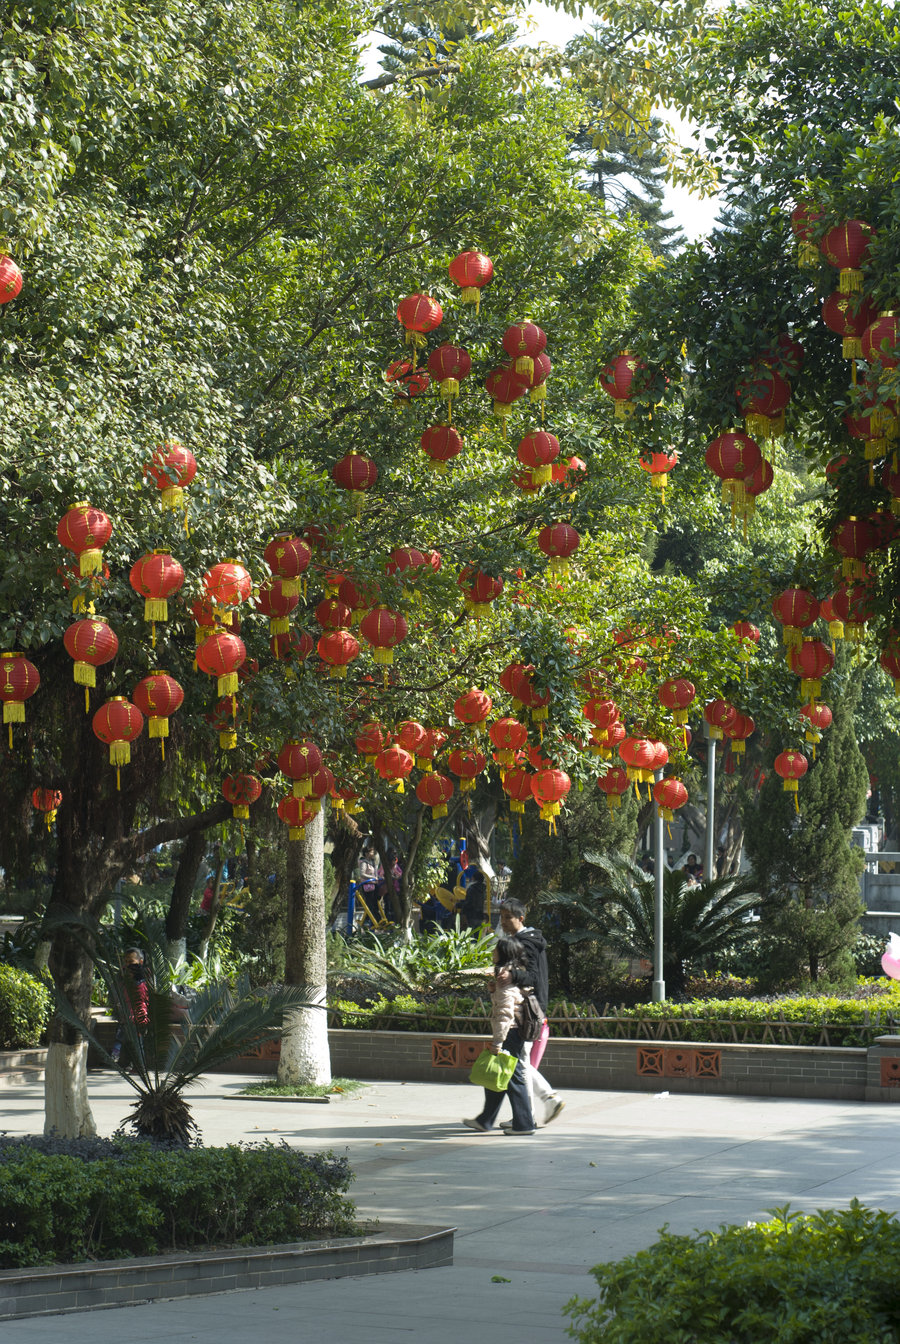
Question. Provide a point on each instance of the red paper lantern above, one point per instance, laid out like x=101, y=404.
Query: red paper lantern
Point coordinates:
x=85, y=531
x=407, y=381
x=431, y=747
x=288, y=558
x=371, y=739
x=536, y=385
x=658, y=466
x=297, y=813
x=676, y=694
x=517, y=787
x=854, y=539
x=829, y=615
x=467, y=763
x=19, y=679
x=338, y=648
x=10, y=279
x=746, y=632
x=733, y=457
x=117, y=724
x=321, y=783
x=818, y=717
x=473, y=707
x=720, y=715
x=172, y=467
x=850, y=604
x=220, y=655
x=333, y=614
x=558, y=541
x=508, y=736
x=791, y=766
x=523, y=342
x=879, y=342
x=538, y=451
x=550, y=787
x=795, y=608
x=614, y=783
x=47, y=801
x=359, y=595
x=440, y=443
x=158, y=697
x=509, y=677
x=471, y=271
x=155, y=577
x=601, y=712
x=412, y=737
x=848, y=317
x=91, y=643
x=670, y=794
x=741, y=727
x=292, y=647
x=479, y=590
x=846, y=247
x=393, y=765
x=417, y=314
x=299, y=760
x=448, y=365
x=756, y=484
x=617, y=381
x=240, y=790
x=277, y=604
x=435, y=791
x=383, y=630
x=526, y=694
x=762, y=397
x=411, y=564
x=506, y=387
x=639, y=754
x=227, y=584
x=355, y=472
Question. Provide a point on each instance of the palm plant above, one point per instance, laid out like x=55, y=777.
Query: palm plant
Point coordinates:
x=699, y=919
x=172, y=1050
x=445, y=959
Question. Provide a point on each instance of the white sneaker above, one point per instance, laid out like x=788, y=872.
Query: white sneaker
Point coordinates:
x=555, y=1108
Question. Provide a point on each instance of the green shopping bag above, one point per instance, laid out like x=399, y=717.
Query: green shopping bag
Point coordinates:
x=493, y=1071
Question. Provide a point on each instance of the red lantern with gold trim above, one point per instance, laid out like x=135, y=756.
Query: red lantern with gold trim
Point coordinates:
x=658, y=466
x=846, y=247
x=85, y=531
x=505, y=386
x=479, y=590
x=19, y=679
x=804, y=218
x=818, y=718
x=338, y=648
x=394, y=765
x=448, y=365
x=294, y=647
x=240, y=790
x=538, y=451
x=359, y=596
x=432, y=746
x=614, y=783
x=669, y=794
x=274, y=602
x=357, y=473
x=371, y=739
x=763, y=396
x=558, y=541
x=549, y=787
x=795, y=608
x=407, y=381
x=676, y=694
x=117, y=724
x=848, y=317
x=418, y=314
x=158, y=697
x=738, y=730
x=791, y=766
x=853, y=539
x=471, y=270
x=435, y=791
x=333, y=614
x=508, y=736
x=220, y=655
x=10, y=279
x=227, y=584
x=523, y=342
x=155, y=577
x=617, y=381
x=466, y=763
x=517, y=787
x=733, y=457
x=440, y=444
x=472, y=708
x=299, y=760
x=172, y=468
x=297, y=813
x=288, y=558
x=719, y=715
x=47, y=801
x=91, y=642
x=879, y=342
x=383, y=630
x=850, y=604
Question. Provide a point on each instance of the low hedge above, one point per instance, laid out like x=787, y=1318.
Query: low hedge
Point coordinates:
x=24, y=1009
x=64, y=1201
x=826, y=1276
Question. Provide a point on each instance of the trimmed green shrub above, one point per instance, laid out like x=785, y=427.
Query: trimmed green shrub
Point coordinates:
x=63, y=1202
x=826, y=1276
x=24, y=1009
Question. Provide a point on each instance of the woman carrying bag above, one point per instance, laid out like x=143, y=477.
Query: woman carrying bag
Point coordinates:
x=506, y=1010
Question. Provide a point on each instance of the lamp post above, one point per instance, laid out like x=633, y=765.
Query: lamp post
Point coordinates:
x=710, y=854
x=659, y=984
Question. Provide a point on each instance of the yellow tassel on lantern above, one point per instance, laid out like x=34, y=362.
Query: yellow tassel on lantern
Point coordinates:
x=424, y=763
x=90, y=561
x=297, y=833
x=525, y=364
x=227, y=739
x=516, y=806
x=279, y=625
x=302, y=788
x=467, y=784
x=850, y=281
x=156, y=609
x=851, y=347
x=240, y=811
x=338, y=673
x=613, y=801
x=228, y=684
x=437, y=812
x=541, y=475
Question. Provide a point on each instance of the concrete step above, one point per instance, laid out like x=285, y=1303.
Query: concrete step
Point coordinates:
x=19, y=1067
x=12, y=1078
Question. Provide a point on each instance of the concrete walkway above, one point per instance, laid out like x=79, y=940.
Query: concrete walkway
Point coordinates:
x=538, y=1212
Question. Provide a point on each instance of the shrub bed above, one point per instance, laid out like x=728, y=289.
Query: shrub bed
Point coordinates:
x=24, y=1009
x=62, y=1201
x=823, y=1276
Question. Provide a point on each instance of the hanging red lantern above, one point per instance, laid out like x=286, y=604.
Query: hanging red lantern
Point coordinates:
x=549, y=787
x=538, y=451
x=508, y=736
x=536, y=385
x=879, y=342
x=614, y=783
x=338, y=648
x=383, y=630
x=172, y=468
x=158, y=697
x=638, y=753
x=795, y=608
x=155, y=577
x=756, y=484
x=288, y=558
x=440, y=444
x=676, y=694
x=571, y=473
x=47, y=801
x=448, y=365
x=418, y=314
x=505, y=386
x=523, y=342
x=85, y=531
x=517, y=787
x=118, y=723
x=762, y=396
x=617, y=380
x=733, y=457
x=558, y=541
x=19, y=679
x=848, y=317
x=658, y=466
x=412, y=737
x=359, y=595
x=91, y=643
x=299, y=760
x=321, y=783
x=851, y=606
x=853, y=539
x=508, y=679
x=293, y=647
x=479, y=590
x=846, y=247
x=411, y=564
x=345, y=798
x=473, y=708
x=10, y=279
x=407, y=381
x=274, y=602
x=601, y=712
x=467, y=763
x=357, y=473
x=371, y=739
x=741, y=727
x=435, y=791
x=830, y=616
x=240, y=790
x=804, y=218
x=297, y=813
x=818, y=718
x=227, y=584
x=333, y=614
x=471, y=271
x=527, y=694
x=670, y=794
x=224, y=720
x=432, y=746
x=393, y=765
x=220, y=655
x=791, y=766
x=719, y=715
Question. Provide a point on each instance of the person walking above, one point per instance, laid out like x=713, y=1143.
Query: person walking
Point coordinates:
x=534, y=944
x=506, y=1005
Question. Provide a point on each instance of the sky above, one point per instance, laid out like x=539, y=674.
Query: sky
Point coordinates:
x=694, y=215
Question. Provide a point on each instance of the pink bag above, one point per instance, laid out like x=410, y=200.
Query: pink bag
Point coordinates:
x=540, y=1045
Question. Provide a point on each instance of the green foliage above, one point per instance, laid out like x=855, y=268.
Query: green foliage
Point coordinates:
x=797, y=1278
x=438, y=960
x=144, y=1200
x=336, y=1088
x=24, y=1008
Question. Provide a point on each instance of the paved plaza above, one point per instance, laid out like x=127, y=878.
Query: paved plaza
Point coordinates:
x=537, y=1212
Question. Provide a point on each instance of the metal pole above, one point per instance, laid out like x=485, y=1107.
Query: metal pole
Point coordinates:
x=709, y=870
x=659, y=984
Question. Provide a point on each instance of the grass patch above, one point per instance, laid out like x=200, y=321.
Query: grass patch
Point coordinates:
x=337, y=1087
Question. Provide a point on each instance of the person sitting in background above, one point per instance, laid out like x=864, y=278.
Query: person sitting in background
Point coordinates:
x=693, y=868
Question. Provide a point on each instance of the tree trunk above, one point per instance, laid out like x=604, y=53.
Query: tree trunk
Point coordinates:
x=182, y=890
x=347, y=843
x=305, y=1058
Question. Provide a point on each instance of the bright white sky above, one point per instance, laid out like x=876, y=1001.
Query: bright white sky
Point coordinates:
x=694, y=215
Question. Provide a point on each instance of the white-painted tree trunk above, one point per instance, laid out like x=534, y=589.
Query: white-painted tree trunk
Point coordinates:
x=67, y=1110
x=176, y=951
x=305, y=1057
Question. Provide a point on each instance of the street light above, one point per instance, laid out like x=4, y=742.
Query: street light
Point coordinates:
x=659, y=984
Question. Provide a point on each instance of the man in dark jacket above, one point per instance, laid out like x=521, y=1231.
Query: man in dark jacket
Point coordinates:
x=534, y=944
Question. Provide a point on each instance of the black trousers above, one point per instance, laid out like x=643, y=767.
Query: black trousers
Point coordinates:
x=519, y=1096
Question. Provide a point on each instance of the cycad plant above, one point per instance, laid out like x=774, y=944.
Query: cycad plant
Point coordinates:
x=175, y=1046
x=699, y=919
x=453, y=958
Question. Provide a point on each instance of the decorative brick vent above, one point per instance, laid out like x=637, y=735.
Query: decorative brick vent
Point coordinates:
x=890, y=1071
x=444, y=1054
x=676, y=1062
